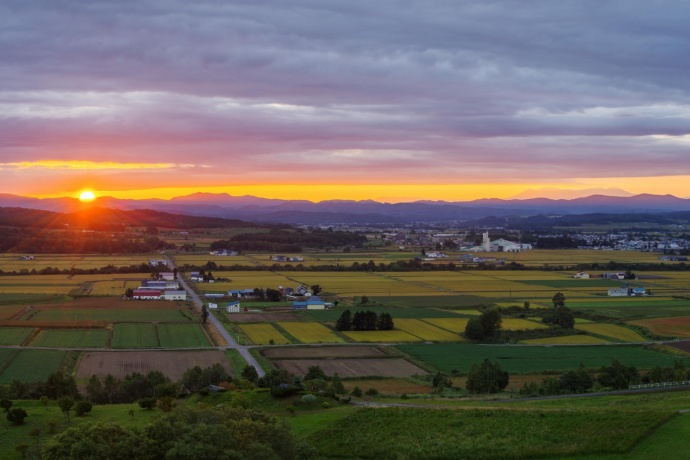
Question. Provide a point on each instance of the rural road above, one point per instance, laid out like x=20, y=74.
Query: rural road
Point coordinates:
x=232, y=343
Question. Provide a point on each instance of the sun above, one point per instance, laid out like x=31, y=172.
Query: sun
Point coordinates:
x=86, y=196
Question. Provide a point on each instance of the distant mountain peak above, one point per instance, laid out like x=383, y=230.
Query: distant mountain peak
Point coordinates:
x=556, y=193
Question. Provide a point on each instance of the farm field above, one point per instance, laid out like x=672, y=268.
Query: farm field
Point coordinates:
x=613, y=331
x=432, y=433
x=38, y=284
x=535, y=359
x=113, y=315
x=263, y=334
x=456, y=325
x=12, y=262
x=134, y=335
x=335, y=351
x=171, y=363
x=425, y=331
x=71, y=338
x=346, y=368
x=634, y=307
x=381, y=336
x=32, y=365
x=678, y=326
x=263, y=317
x=566, y=340
x=181, y=335
x=14, y=335
x=332, y=314
x=9, y=311
x=310, y=332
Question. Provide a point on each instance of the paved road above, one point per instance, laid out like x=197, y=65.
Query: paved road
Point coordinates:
x=232, y=343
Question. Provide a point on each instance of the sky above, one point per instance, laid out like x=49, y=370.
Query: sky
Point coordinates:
x=393, y=100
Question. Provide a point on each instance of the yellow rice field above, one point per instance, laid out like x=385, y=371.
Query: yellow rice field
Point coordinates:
x=611, y=330
x=456, y=325
x=381, y=336
x=566, y=340
x=262, y=334
x=519, y=324
x=425, y=330
x=310, y=332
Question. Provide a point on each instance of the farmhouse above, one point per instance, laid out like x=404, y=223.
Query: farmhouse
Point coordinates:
x=581, y=275
x=619, y=292
x=313, y=303
x=167, y=276
x=157, y=262
x=613, y=276
x=146, y=294
x=638, y=291
x=175, y=295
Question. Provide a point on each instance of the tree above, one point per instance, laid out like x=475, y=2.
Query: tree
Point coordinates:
x=337, y=385
x=385, y=322
x=577, y=381
x=16, y=416
x=249, y=373
x=204, y=314
x=474, y=329
x=441, y=380
x=315, y=372
x=560, y=316
x=617, y=376
x=486, y=378
x=316, y=289
x=558, y=300
x=95, y=391
x=5, y=404
x=66, y=404
x=111, y=386
x=147, y=403
x=344, y=322
x=273, y=295
x=491, y=322
x=82, y=408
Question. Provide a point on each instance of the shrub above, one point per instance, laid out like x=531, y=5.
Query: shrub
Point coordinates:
x=326, y=405
x=82, y=408
x=308, y=399
x=357, y=391
x=16, y=416
x=372, y=392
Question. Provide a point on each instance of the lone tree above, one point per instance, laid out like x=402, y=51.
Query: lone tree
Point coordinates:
x=558, y=300
x=487, y=378
x=316, y=289
x=16, y=416
x=560, y=316
x=66, y=404
x=487, y=326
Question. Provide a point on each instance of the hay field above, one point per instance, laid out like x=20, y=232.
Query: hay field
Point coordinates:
x=425, y=331
x=456, y=325
x=14, y=335
x=381, y=336
x=310, y=332
x=32, y=365
x=12, y=262
x=351, y=284
x=263, y=334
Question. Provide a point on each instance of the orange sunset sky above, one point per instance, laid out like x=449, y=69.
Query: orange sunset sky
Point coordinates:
x=352, y=100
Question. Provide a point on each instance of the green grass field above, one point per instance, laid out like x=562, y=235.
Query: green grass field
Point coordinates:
x=536, y=359
x=111, y=314
x=482, y=434
x=182, y=336
x=33, y=366
x=14, y=335
x=134, y=335
x=71, y=338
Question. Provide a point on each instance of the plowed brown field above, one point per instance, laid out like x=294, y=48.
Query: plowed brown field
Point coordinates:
x=395, y=367
x=172, y=364
x=323, y=352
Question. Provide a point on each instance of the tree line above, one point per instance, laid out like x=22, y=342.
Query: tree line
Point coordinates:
x=364, y=321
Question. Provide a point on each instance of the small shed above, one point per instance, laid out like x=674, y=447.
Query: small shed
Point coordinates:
x=233, y=307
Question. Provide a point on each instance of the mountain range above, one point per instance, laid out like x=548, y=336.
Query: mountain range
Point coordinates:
x=256, y=209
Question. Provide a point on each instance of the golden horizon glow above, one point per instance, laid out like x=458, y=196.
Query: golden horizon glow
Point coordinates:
x=395, y=193
x=86, y=196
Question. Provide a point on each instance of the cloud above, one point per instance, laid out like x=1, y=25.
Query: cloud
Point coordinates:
x=445, y=90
